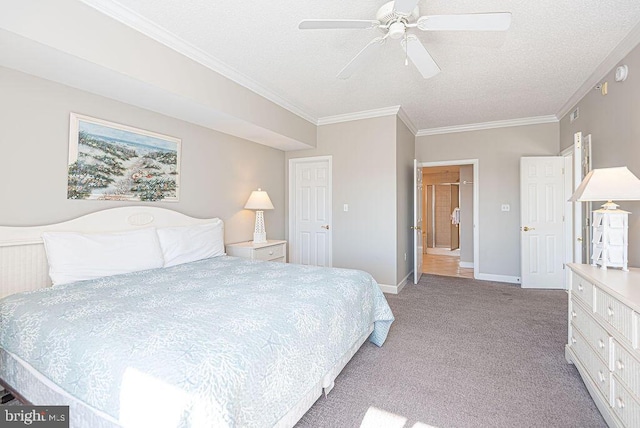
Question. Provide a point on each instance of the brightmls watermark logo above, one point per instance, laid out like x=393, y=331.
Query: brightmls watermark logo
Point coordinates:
x=35, y=416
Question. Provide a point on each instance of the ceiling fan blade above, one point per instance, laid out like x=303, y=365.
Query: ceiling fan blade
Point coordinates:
x=420, y=57
x=466, y=22
x=404, y=7
x=364, y=56
x=336, y=24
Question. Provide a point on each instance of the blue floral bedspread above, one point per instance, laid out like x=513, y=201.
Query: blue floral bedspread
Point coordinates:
x=218, y=342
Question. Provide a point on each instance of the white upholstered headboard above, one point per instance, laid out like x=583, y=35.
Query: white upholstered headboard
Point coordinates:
x=23, y=262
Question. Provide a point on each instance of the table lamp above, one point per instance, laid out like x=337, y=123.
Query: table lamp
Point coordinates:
x=259, y=201
x=610, y=225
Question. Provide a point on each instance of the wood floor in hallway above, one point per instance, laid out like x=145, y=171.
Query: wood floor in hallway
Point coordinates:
x=445, y=265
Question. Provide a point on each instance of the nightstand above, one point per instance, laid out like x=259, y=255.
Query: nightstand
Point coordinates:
x=274, y=251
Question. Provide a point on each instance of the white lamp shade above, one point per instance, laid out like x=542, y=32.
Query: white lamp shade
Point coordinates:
x=608, y=184
x=259, y=200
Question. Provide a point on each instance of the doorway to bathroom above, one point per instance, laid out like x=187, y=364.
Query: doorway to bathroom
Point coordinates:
x=448, y=220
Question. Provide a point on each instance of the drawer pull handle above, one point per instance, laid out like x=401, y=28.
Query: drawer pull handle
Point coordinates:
x=619, y=402
x=620, y=365
x=601, y=343
x=610, y=311
x=271, y=253
x=601, y=376
x=580, y=287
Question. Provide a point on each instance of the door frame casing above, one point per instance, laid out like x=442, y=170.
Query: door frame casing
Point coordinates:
x=292, y=203
x=476, y=200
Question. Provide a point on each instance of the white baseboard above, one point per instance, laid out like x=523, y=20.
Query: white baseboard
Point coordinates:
x=499, y=278
x=468, y=265
x=391, y=289
x=395, y=289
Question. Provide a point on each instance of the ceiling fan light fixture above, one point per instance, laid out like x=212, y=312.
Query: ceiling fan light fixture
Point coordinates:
x=397, y=30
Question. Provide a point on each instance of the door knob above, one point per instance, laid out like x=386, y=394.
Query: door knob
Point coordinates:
x=579, y=239
x=416, y=228
x=527, y=228
x=326, y=226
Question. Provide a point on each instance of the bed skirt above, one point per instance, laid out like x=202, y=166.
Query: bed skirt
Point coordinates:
x=29, y=383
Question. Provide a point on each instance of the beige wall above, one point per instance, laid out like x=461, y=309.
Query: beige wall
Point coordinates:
x=498, y=152
x=218, y=171
x=614, y=124
x=364, y=176
x=63, y=26
x=405, y=152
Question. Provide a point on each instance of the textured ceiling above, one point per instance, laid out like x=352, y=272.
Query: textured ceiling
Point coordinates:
x=531, y=70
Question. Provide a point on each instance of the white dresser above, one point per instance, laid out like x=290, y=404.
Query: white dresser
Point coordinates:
x=604, y=339
x=274, y=251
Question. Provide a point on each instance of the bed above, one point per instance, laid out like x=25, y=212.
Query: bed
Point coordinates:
x=220, y=341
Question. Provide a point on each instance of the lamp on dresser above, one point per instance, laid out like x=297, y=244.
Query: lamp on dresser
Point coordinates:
x=259, y=201
x=610, y=225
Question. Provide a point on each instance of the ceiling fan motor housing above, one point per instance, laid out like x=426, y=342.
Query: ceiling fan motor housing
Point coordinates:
x=387, y=15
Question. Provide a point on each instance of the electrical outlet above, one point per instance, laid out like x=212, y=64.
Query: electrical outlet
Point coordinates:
x=506, y=207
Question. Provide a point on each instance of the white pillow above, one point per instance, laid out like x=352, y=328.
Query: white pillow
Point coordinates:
x=78, y=256
x=190, y=243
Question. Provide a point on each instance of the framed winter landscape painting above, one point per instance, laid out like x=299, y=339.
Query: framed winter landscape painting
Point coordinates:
x=109, y=161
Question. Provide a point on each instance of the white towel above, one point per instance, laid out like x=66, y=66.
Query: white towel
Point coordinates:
x=455, y=216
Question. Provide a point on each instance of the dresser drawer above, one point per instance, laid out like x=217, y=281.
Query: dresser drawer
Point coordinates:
x=615, y=313
x=625, y=405
x=269, y=253
x=595, y=335
x=627, y=367
x=595, y=367
x=582, y=289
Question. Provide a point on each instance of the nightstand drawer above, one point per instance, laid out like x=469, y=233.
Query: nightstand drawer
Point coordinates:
x=273, y=251
x=269, y=253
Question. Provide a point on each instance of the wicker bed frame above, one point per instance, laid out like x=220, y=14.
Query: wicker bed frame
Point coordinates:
x=23, y=267
x=23, y=262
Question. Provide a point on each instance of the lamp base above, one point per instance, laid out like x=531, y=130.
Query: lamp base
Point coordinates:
x=259, y=238
x=259, y=233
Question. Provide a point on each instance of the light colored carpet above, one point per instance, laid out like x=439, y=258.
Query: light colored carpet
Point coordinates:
x=465, y=353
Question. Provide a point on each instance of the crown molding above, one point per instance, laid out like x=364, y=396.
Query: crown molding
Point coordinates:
x=407, y=121
x=536, y=120
x=367, y=114
x=623, y=49
x=139, y=23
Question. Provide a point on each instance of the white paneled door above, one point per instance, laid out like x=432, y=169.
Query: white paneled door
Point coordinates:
x=417, y=222
x=541, y=222
x=310, y=226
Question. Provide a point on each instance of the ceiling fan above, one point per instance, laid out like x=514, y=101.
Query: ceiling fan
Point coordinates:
x=395, y=19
